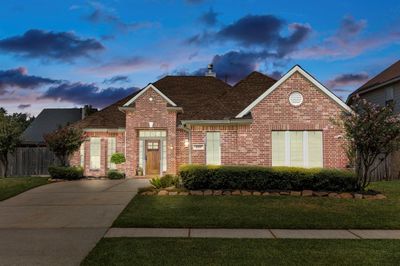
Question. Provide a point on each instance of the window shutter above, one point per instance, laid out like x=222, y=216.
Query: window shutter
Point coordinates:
x=82, y=154
x=296, y=148
x=95, y=150
x=278, y=148
x=213, y=148
x=315, y=149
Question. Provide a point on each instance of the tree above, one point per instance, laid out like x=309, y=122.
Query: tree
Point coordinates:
x=64, y=142
x=372, y=133
x=11, y=128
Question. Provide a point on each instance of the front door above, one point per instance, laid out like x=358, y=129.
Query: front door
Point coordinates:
x=152, y=157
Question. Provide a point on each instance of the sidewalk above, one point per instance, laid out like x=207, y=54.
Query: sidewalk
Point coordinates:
x=254, y=233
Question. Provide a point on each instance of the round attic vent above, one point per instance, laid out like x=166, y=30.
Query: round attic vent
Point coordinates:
x=296, y=98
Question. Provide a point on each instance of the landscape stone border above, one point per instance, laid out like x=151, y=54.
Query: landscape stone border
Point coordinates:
x=303, y=193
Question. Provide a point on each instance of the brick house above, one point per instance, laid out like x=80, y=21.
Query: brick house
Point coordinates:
x=203, y=120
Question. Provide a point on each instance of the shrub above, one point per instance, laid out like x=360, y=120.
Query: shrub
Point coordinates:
x=114, y=174
x=117, y=158
x=164, y=181
x=67, y=173
x=266, y=178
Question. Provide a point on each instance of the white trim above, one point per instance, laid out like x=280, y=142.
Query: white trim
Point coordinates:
x=283, y=79
x=150, y=86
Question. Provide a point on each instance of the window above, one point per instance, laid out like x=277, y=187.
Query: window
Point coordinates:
x=164, y=155
x=82, y=154
x=213, y=148
x=95, y=151
x=111, y=149
x=152, y=133
x=389, y=95
x=297, y=148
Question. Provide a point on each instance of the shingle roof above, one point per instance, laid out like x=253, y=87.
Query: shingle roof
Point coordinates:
x=247, y=91
x=47, y=121
x=109, y=117
x=390, y=73
x=201, y=97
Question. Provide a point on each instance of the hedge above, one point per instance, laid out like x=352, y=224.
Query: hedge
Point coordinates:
x=67, y=173
x=266, y=178
x=115, y=174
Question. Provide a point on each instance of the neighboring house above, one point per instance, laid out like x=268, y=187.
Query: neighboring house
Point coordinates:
x=382, y=89
x=203, y=120
x=47, y=121
x=32, y=157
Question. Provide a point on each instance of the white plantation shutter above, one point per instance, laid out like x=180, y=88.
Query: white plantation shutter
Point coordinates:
x=95, y=151
x=278, y=148
x=111, y=148
x=296, y=148
x=213, y=148
x=315, y=149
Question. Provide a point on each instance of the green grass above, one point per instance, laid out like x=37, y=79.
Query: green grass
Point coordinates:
x=154, y=251
x=12, y=186
x=265, y=212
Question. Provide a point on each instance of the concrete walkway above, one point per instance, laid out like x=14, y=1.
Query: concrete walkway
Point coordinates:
x=59, y=223
x=254, y=233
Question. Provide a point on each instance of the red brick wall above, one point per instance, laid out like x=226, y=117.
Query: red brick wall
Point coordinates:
x=150, y=111
x=120, y=147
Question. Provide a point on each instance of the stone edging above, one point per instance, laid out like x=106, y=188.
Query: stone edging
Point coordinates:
x=304, y=193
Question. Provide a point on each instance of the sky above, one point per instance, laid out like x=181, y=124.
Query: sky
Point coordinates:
x=57, y=54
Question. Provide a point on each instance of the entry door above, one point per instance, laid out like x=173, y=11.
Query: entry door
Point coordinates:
x=153, y=157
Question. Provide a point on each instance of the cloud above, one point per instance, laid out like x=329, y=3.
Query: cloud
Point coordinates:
x=349, y=41
x=122, y=65
x=262, y=31
x=24, y=106
x=347, y=80
x=116, y=79
x=82, y=93
x=62, y=46
x=209, y=18
x=19, y=78
x=101, y=14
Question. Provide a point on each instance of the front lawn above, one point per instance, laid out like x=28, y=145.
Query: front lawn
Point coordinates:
x=12, y=186
x=265, y=211
x=156, y=251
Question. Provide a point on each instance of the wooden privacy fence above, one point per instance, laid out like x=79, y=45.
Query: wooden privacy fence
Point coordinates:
x=27, y=161
x=387, y=169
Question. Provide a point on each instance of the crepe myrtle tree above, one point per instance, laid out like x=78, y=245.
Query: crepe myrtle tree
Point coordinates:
x=11, y=128
x=64, y=142
x=372, y=133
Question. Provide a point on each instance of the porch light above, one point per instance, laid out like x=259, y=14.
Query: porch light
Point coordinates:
x=151, y=124
x=186, y=143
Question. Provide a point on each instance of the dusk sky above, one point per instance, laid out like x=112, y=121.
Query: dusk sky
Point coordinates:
x=57, y=54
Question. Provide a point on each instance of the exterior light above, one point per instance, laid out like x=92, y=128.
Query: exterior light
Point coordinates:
x=186, y=143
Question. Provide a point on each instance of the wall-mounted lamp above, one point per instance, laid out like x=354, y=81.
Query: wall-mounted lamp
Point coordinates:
x=151, y=124
x=186, y=143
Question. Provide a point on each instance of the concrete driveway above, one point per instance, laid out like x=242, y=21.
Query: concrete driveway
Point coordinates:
x=59, y=223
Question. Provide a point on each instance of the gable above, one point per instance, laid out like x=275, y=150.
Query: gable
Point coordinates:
x=149, y=87
x=295, y=69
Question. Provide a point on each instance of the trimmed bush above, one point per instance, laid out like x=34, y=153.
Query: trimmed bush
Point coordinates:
x=64, y=172
x=266, y=178
x=164, y=181
x=114, y=174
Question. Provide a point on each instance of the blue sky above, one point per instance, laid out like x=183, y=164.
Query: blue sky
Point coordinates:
x=69, y=53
